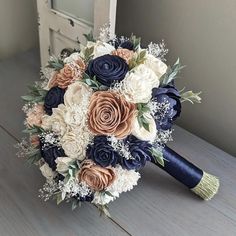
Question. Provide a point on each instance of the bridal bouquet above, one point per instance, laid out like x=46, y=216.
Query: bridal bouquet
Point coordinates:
x=99, y=114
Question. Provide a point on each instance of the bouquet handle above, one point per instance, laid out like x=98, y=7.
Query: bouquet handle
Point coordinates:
x=198, y=181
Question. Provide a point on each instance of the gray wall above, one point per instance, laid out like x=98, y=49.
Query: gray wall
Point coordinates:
x=203, y=34
x=18, y=26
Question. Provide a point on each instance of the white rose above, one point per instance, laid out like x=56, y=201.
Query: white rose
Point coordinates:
x=73, y=57
x=100, y=48
x=143, y=134
x=47, y=172
x=56, y=122
x=74, y=143
x=77, y=93
x=156, y=65
x=63, y=164
x=138, y=83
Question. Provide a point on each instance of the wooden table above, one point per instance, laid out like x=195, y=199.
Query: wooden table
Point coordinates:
x=157, y=206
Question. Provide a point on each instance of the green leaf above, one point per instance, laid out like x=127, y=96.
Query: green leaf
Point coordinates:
x=34, y=156
x=191, y=97
x=108, y=193
x=158, y=156
x=136, y=41
x=59, y=198
x=139, y=59
x=171, y=73
x=34, y=130
x=104, y=210
x=89, y=36
x=35, y=95
x=88, y=82
x=88, y=53
x=142, y=109
x=75, y=204
x=55, y=63
x=42, y=92
x=27, y=98
x=93, y=83
x=146, y=126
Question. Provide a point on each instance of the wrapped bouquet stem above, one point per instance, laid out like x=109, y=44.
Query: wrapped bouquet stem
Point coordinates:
x=200, y=182
x=99, y=114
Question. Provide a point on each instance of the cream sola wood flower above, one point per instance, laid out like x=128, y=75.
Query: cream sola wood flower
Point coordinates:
x=143, y=134
x=47, y=172
x=156, y=65
x=138, y=84
x=99, y=49
x=63, y=164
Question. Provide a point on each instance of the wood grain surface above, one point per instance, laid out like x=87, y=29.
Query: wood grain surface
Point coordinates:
x=159, y=205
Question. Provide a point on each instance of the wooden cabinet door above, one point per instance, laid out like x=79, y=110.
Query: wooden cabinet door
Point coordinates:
x=62, y=23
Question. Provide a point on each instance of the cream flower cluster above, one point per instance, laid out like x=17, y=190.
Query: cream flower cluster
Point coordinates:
x=139, y=82
x=69, y=121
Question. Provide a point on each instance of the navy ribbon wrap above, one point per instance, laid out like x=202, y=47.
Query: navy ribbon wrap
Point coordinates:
x=181, y=169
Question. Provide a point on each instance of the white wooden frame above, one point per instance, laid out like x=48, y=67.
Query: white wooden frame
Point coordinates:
x=72, y=29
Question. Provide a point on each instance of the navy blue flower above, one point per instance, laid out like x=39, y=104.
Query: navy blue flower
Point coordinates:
x=140, y=152
x=118, y=43
x=127, y=44
x=50, y=154
x=108, y=69
x=170, y=95
x=102, y=153
x=87, y=198
x=53, y=98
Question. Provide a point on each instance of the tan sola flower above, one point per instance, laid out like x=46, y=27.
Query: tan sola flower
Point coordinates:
x=124, y=53
x=68, y=74
x=34, y=115
x=96, y=177
x=110, y=114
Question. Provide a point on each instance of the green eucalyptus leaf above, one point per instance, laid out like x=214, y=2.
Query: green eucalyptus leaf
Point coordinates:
x=108, y=193
x=89, y=36
x=27, y=98
x=191, y=97
x=171, y=73
x=146, y=126
x=55, y=63
x=75, y=204
x=136, y=41
x=59, y=198
x=158, y=156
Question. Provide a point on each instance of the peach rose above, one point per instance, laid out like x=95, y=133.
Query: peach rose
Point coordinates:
x=124, y=53
x=34, y=115
x=68, y=74
x=96, y=177
x=110, y=114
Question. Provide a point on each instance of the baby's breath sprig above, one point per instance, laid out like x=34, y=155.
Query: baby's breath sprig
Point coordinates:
x=158, y=50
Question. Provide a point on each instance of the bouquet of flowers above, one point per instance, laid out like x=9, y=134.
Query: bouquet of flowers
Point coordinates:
x=99, y=114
